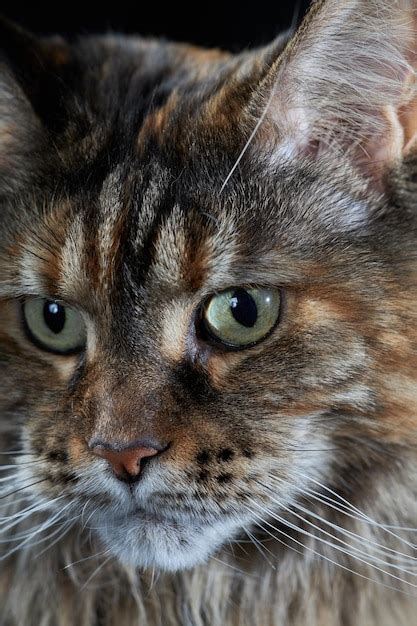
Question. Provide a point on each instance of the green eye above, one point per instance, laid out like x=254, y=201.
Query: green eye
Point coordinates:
x=242, y=317
x=53, y=326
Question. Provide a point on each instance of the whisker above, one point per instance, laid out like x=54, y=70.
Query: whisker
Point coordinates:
x=17, y=453
x=232, y=567
x=315, y=495
x=4, y=505
x=17, y=518
x=83, y=511
x=342, y=508
x=275, y=538
x=329, y=560
x=378, y=547
x=251, y=138
x=96, y=571
x=11, y=493
x=356, y=537
x=49, y=522
x=67, y=527
x=87, y=558
x=259, y=546
x=10, y=478
x=358, y=511
x=7, y=467
x=289, y=524
x=53, y=534
x=93, y=512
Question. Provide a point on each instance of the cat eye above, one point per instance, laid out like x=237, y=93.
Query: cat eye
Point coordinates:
x=240, y=317
x=54, y=326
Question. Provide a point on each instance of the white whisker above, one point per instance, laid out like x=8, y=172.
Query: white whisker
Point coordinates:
x=21, y=516
x=289, y=524
x=376, y=546
x=17, y=453
x=96, y=571
x=43, y=527
x=232, y=567
x=328, y=559
x=67, y=526
x=342, y=508
x=260, y=547
x=8, y=467
x=251, y=137
x=87, y=558
x=358, y=511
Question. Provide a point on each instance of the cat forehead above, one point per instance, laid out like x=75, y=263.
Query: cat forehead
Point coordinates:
x=182, y=234
x=156, y=232
x=159, y=227
x=163, y=233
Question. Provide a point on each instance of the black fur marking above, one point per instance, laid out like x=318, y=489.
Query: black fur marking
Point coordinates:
x=225, y=455
x=203, y=457
x=139, y=262
x=58, y=455
x=203, y=475
x=68, y=477
x=224, y=478
x=247, y=452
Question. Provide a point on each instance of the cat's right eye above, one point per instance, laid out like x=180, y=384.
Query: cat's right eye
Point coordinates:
x=53, y=326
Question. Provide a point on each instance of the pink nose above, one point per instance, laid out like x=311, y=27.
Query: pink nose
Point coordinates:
x=126, y=461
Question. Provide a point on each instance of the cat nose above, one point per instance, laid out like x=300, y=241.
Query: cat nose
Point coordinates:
x=126, y=460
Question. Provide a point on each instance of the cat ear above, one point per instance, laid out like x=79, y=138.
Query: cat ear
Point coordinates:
x=346, y=83
x=30, y=98
x=36, y=66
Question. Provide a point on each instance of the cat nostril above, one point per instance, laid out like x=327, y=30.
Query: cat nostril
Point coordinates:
x=126, y=461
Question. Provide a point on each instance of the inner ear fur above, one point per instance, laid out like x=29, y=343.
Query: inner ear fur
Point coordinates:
x=346, y=83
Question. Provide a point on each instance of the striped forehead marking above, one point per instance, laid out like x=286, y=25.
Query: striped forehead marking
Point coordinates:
x=73, y=274
x=109, y=211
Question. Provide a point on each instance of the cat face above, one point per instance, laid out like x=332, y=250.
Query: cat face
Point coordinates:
x=182, y=348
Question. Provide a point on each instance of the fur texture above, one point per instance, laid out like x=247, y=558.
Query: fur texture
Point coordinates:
x=286, y=490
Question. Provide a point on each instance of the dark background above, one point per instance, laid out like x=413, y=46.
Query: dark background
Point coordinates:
x=228, y=24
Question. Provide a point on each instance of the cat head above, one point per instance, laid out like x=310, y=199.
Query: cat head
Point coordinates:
x=207, y=276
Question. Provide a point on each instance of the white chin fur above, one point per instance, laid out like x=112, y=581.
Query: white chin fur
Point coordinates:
x=165, y=545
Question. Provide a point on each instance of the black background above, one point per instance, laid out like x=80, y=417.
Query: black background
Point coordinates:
x=228, y=24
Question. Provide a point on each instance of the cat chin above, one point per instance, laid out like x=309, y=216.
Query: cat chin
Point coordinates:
x=163, y=545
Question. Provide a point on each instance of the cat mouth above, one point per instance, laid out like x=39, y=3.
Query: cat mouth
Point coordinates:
x=139, y=514
x=164, y=516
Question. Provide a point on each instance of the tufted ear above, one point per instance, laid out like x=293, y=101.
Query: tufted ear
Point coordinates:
x=345, y=84
x=31, y=99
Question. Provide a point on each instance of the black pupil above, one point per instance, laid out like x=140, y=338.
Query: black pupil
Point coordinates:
x=244, y=308
x=54, y=316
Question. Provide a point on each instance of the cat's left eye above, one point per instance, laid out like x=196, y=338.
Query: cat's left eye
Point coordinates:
x=240, y=318
x=53, y=326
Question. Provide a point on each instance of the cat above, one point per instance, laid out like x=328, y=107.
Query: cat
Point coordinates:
x=208, y=327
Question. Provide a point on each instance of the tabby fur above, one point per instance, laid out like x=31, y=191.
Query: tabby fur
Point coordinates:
x=137, y=178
